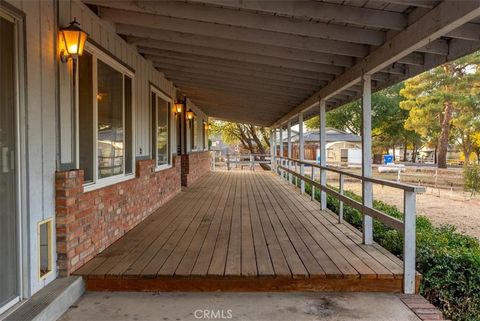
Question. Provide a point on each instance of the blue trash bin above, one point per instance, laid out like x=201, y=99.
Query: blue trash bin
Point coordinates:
x=387, y=159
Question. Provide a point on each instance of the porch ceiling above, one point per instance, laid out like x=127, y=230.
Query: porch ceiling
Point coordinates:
x=262, y=62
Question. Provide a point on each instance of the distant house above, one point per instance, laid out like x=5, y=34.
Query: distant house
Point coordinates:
x=219, y=146
x=337, y=140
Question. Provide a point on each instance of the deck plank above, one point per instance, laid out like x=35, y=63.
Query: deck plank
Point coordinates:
x=294, y=261
x=234, y=255
x=381, y=264
x=262, y=255
x=309, y=261
x=156, y=254
x=219, y=259
x=179, y=242
x=205, y=256
x=242, y=231
x=322, y=258
x=279, y=262
x=192, y=250
x=115, y=260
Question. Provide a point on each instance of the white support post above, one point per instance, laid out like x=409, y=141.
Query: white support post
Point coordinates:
x=340, y=190
x=281, y=150
x=301, y=151
x=273, y=149
x=367, y=190
x=313, y=187
x=289, y=149
x=323, y=152
x=409, y=247
x=214, y=153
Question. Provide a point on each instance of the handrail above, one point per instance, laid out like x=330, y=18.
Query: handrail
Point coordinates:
x=283, y=165
x=382, y=217
x=384, y=182
x=248, y=159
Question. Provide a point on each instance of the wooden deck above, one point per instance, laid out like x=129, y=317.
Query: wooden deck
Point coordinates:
x=242, y=231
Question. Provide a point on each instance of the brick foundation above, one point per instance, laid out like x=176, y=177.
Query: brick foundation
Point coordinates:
x=424, y=310
x=88, y=222
x=194, y=166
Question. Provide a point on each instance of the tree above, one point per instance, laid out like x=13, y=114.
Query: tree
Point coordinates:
x=253, y=138
x=443, y=105
x=476, y=145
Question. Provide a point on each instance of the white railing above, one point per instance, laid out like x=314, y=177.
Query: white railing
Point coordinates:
x=287, y=168
x=249, y=160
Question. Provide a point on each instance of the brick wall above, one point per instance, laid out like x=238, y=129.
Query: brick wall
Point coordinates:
x=194, y=166
x=88, y=222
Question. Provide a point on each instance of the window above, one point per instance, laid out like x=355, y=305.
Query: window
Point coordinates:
x=105, y=125
x=161, y=107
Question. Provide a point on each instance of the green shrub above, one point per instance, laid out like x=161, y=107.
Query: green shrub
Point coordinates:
x=471, y=178
x=448, y=260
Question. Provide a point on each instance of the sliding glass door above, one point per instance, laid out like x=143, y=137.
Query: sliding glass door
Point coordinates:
x=9, y=247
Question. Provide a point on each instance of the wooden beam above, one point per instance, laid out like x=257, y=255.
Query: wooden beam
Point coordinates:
x=322, y=11
x=156, y=36
x=245, y=19
x=174, y=57
x=416, y=3
x=238, y=83
x=234, y=86
x=199, y=93
x=172, y=70
x=444, y=18
x=144, y=45
x=220, y=90
x=180, y=65
x=469, y=31
x=235, y=33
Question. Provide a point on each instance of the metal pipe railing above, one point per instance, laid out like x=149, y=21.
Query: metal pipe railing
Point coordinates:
x=407, y=226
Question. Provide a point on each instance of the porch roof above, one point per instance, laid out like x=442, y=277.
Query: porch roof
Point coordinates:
x=262, y=62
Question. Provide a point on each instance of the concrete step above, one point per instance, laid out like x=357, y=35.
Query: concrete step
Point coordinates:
x=51, y=302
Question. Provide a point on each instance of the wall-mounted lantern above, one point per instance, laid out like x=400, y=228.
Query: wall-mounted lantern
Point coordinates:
x=189, y=114
x=73, y=41
x=178, y=107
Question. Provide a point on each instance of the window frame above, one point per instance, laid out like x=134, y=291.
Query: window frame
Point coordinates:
x=99, y=54
x=160, y=94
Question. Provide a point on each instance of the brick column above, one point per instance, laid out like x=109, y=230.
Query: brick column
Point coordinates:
x=194, y=166
x=68, y=187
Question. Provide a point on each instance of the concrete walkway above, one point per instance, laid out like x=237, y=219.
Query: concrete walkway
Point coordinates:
x=297, y=306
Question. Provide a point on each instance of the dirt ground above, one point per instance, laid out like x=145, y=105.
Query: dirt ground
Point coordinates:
x=441, y=206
